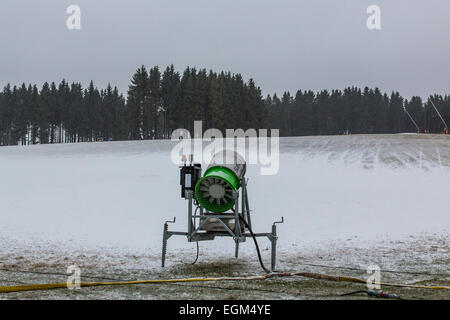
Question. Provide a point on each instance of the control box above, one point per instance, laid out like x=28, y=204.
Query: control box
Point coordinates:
x=189, y=175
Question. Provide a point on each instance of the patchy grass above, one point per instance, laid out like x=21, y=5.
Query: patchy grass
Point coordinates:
x=274, y=288
x=421, y=261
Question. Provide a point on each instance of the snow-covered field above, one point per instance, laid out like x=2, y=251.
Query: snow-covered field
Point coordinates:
x=347, y=201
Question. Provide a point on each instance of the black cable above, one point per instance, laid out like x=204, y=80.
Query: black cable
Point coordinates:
x=256, y=244
x=375, y=294
x=196, y=258
x=352, y=293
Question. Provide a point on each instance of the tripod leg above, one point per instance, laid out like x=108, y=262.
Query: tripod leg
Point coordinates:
x=274, y=247
x=164, y=245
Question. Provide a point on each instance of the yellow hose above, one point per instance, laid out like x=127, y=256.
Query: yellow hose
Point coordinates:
x=318, y=276
x=49, y=286
x=356, y=280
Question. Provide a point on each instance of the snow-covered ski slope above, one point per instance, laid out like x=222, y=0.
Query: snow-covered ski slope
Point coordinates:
x=358, y=187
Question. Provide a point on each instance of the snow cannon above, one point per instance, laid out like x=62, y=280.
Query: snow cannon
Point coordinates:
x=218, y=205
x=214, y=191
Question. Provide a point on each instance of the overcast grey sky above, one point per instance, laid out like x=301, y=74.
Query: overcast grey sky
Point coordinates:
x=283, y=45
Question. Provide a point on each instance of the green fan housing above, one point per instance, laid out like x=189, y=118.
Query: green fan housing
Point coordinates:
x=214, y=191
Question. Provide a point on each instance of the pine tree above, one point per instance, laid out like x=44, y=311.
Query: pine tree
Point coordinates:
x=216, y=102
x=395, y=113
x=34, y=114
x=7, y=114
x=43, y=113
x=75, y=127
x=170, y=96
x=62, y=119
x=137, y=102
x=152, y=108
x=187, y=99
x=303, y=116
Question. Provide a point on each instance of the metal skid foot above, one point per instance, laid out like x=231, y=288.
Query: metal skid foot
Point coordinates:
x=166, y=236
x=274, y=238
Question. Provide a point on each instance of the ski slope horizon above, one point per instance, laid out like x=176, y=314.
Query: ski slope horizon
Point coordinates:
x=358, y=188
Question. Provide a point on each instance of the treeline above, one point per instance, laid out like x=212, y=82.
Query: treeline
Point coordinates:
x=159, y=102
x=156, y=104
x=60, y=113
x=354, y=111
